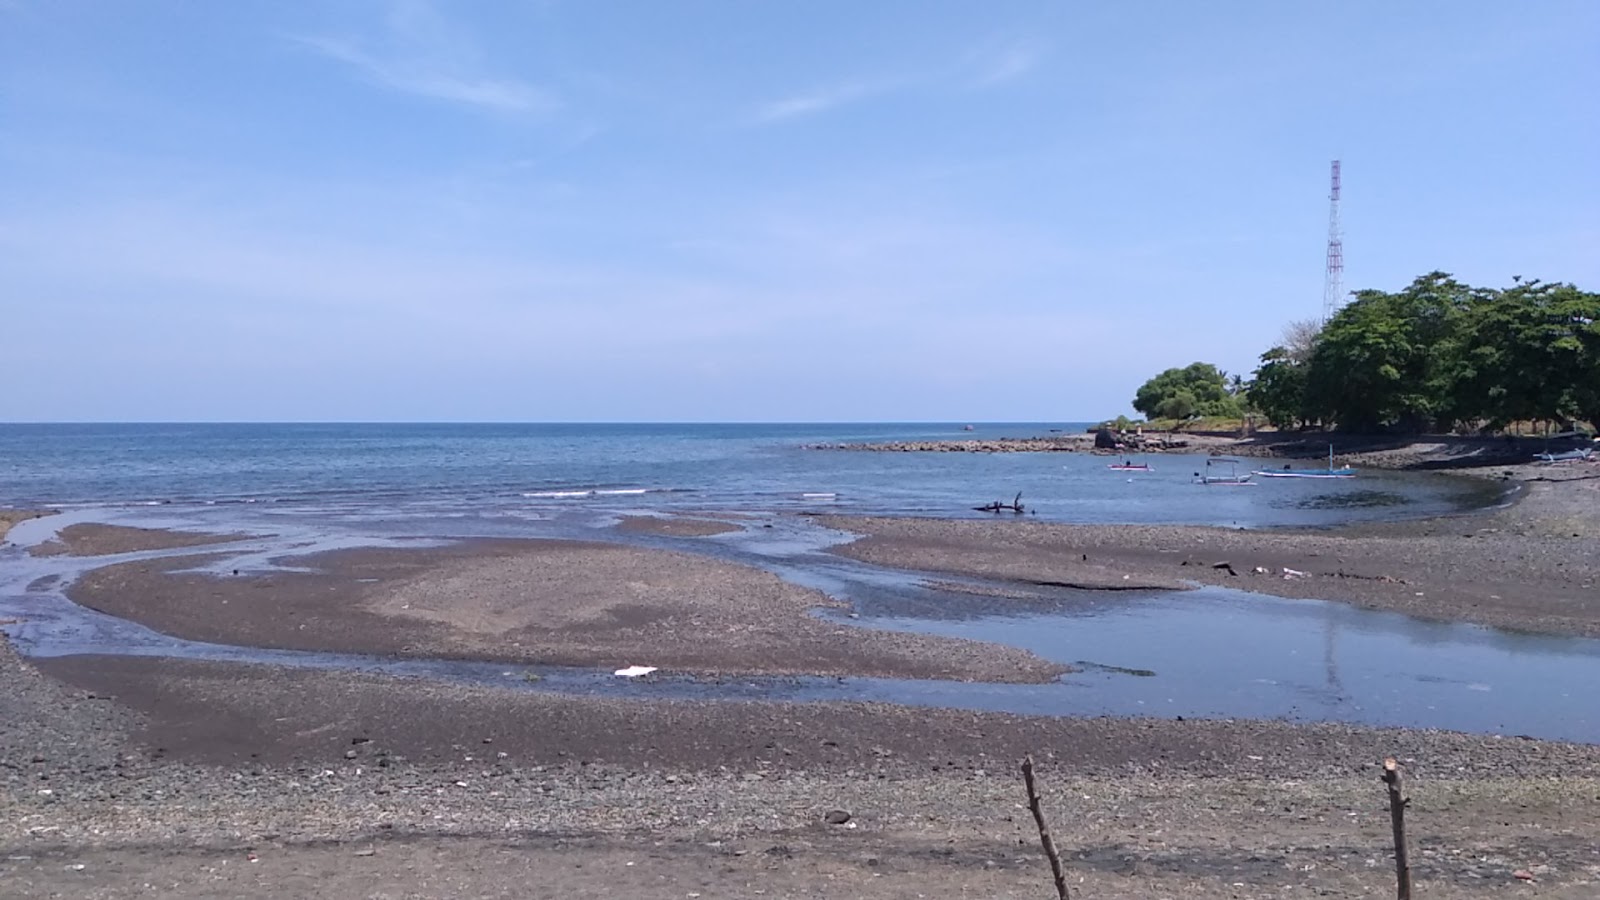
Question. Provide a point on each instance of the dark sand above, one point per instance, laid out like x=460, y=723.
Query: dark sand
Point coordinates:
x=201, y=779
x=254, y=781
x=1534, y=566
x=540, y=602
x=93, y=539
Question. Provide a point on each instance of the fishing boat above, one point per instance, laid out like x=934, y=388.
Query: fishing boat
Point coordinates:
x=1222, y=470
x=1130, y=467
x=1568, y=456
x=1329, y=472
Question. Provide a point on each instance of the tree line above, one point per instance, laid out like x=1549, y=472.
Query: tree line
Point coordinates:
x=1437, y=356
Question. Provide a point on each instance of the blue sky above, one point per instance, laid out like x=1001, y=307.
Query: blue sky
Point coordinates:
x=737, y=211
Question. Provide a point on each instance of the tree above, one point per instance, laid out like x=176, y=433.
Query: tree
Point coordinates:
x=1199, y=389
x=1532, y=352
x=1279, y=388
x=1392, y=359
x=1300, y=339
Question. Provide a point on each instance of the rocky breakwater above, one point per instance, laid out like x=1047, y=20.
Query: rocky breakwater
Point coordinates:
x=1053, y=443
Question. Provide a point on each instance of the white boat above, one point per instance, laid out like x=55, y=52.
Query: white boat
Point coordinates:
x=1129, y=467
x=1570, y=455
x=1222, y=470
x=1329, y=472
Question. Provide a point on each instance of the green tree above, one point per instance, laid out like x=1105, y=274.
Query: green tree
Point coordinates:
x=1392, y=359
x=1199, y=389
x=1532, y=352
x=1279, y=388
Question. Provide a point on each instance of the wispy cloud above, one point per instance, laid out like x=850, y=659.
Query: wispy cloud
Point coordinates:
x=999, y=62
x=419, y=53
x=821, y=101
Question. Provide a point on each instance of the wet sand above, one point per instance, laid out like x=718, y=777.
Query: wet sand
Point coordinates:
x=253, y=781
x=674, y=527
x=10, y=517
x=539, y=602
x=258, y=781
x=1534, y=566
x=95, y=539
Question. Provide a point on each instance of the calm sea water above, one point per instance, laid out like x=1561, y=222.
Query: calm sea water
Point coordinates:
x=401, y=470
x=299, y=489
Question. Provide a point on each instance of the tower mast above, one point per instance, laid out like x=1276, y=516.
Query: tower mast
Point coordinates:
x=1333, y=282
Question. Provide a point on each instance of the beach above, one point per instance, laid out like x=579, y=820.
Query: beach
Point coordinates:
x=257, y=780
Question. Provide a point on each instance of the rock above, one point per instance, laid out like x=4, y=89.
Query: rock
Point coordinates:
x=349, y=754
x=1105, y=440
x=836, y=817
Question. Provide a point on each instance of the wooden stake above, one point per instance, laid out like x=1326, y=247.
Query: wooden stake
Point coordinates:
x=1044, y=830
x=1397, y=815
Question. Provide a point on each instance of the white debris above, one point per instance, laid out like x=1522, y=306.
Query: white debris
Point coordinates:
x=634, y=671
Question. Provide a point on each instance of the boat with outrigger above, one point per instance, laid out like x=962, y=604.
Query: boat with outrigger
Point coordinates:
x=1329, y=472
x=1582, y=454
x=1129, y=465
x=1223, y=470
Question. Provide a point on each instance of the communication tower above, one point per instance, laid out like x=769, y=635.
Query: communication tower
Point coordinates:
x=1333, y=283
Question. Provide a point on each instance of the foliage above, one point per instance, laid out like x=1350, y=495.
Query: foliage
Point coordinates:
x=1200, y=389
x=1533, y=353
x=1388, y=359
x=1438, y=354
x=1279, y=388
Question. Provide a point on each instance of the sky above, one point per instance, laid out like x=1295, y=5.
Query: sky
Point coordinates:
x=603, y=210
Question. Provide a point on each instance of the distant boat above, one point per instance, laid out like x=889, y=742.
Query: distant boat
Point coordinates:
x=1581, y=453
x=1329, y=472
x=1222, y=470
x=1130, y=467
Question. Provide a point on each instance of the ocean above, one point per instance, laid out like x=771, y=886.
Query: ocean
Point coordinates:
x=299, y=489
x=507, y=471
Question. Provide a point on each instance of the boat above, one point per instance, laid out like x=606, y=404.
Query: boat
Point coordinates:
x=1568, y=456
x=1329, y=472
x=1130, y=467
x=1222, y=470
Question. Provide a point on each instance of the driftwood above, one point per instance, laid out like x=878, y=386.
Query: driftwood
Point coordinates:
x=1397, y=816
x=1044, y=831
x=1014, y=506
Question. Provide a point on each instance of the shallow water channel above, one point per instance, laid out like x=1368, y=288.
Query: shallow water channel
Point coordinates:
x=1204, y=653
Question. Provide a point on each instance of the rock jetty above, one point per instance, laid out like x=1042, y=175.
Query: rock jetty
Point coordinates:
x=1058, y=443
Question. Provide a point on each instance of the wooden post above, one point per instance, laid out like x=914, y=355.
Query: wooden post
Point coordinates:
x=1397, y=815
x=1044, y=831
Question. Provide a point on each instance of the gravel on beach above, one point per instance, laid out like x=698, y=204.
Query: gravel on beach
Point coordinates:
x=202, y=779
x=560, y=603
x=1533, y=566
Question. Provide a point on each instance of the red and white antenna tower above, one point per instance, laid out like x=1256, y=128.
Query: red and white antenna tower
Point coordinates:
x=1333, y=284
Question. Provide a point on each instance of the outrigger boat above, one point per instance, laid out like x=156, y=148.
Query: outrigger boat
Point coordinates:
x=1329, y=472
x=1222, y=470
x=1568, y=456
x=1127, y=466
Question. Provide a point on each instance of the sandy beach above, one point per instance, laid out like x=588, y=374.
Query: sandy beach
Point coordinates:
x=252, y=780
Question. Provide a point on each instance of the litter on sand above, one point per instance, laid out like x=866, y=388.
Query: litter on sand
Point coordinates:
x=635, y=671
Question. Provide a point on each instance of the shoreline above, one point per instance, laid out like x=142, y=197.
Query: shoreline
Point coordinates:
x=538, y=602
x=1531, y=565
x=152, y=769
x=164, y=768
x=1399, y=451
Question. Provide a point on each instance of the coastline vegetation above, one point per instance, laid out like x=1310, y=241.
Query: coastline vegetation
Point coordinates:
x=1438, y=355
